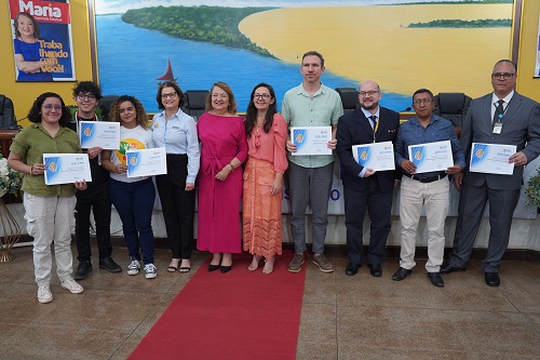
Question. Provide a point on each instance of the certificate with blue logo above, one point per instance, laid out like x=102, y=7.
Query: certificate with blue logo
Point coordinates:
x=102, y=134
x=431, y=157
x=492, y=158
x=146, y=162
x=378, y=156
x=311, y=140
x=66, y=168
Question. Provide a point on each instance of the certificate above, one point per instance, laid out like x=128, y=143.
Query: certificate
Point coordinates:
x=492, y=158
x=312, y=140
x=99, y=133
x=146, y=162
x=378, y=156
x=66, y=168
x=430, y=157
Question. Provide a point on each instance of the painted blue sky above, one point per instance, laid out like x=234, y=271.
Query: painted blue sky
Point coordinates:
x=120, y=6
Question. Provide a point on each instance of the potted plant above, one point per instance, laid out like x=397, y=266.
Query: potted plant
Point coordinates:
x=533, y=189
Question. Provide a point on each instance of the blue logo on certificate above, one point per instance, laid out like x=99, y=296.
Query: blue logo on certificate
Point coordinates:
x=479, y=154
x=52, y=167
x=364, y=153
x=132, y=161
x=418, y=155
x=87, y=132
x=299, y=137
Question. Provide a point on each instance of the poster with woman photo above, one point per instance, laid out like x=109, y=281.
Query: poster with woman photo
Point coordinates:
x=42, y=41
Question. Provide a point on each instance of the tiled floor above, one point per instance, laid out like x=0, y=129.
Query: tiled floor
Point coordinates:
x=358, y=317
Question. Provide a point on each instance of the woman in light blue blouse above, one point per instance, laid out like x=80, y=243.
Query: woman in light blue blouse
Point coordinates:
x=177, y=133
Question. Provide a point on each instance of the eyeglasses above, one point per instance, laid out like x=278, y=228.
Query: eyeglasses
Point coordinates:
x=168, y=96
x=49, y=107
x=86, y=97
x=370, y=93
x=504, y=76
x=261, y=96
x=422, y=101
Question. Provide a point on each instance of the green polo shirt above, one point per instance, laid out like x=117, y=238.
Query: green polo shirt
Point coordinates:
x=324, y=108
x=31, y=143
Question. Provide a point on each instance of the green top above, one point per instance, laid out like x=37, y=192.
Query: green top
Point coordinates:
x=31, y=143
x=323, y=109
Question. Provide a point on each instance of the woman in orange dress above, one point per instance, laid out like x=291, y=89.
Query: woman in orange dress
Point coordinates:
x=263, y=178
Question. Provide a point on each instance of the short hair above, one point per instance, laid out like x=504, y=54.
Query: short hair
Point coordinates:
x=176, y=88
x=421, y=91
x=34, y=115
x=507, y=61
x=142, y=118
x=87, y=87
x=251, y=113
x=231, y=109
x=314, y=53
x=37, y=33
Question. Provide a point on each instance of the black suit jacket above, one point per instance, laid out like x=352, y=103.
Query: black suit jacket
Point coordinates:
x=355, y=129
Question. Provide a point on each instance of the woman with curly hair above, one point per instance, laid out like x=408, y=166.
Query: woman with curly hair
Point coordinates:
x=49, y=208
x=132, y=197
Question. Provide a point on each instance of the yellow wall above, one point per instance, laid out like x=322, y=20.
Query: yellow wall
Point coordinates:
x=23, y=94
x=526, y=84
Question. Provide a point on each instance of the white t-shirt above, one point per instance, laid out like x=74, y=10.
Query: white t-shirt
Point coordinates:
x=130, y=139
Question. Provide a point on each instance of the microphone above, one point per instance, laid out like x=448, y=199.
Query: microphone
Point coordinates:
x=408, y=108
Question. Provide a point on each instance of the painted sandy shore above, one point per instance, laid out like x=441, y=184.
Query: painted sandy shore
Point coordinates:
x=372, y=42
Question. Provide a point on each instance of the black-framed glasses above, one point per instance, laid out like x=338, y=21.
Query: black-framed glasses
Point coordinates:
x=368, y=93
x=86, y=97
x=169, y=95
x=261, y=96
x=503, y=76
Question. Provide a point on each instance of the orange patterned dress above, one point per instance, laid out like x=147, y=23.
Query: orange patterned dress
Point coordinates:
x=261, y=211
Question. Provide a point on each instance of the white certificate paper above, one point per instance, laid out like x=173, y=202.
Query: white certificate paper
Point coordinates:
x=492, y=158
x=378, y=156
x=146, y=162
x=66, y=168
x=312, y=140
x=430, y=157
x=99, y=133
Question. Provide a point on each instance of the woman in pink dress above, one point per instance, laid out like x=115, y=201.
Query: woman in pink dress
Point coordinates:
x=263, y=178
x=223, y=150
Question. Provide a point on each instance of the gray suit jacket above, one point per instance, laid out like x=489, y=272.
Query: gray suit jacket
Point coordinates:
x=521, y=127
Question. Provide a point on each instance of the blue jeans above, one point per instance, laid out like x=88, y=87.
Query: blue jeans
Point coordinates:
x=135, y=203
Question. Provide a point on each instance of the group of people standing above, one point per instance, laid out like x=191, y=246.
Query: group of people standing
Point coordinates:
x=210, y=154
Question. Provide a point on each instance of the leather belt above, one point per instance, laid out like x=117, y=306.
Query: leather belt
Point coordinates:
x=426, y=179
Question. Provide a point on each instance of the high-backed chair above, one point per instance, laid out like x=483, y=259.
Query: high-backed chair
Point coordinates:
x=105, y=105
x=452, y=107
x=195, y=102
x=349, y=98
x=7, y=114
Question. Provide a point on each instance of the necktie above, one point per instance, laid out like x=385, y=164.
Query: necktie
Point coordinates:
x=499, y=111
x=373, y=119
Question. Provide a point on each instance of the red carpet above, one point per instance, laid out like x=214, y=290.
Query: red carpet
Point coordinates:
x=237, y=315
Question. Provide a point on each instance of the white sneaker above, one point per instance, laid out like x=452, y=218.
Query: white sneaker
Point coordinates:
x=150, y=271
x=133, y=267
x=44, y=294
x=72, y=286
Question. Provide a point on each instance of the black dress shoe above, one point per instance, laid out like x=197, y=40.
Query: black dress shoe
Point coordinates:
x=447, y=269
x=401, y=274
x=110, y=265
x=351, y=269
x=82, y=270
x=436, y=279
x=492, y=279
x=225, y=269
x=375, y=270
x=213, y=267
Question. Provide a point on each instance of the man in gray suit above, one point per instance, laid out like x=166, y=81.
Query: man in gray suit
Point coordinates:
x=502, y=117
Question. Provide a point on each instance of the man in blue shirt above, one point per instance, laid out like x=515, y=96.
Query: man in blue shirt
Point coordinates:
x=428, y=189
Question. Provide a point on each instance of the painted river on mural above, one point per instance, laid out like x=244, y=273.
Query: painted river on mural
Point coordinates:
x=130, y=60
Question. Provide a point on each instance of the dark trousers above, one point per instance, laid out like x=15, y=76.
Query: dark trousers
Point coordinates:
x=135, y=203
x=96, y=199
x=178, y=206
x=379, y=206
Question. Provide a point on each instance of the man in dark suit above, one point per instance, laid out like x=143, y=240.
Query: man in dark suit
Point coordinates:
x=364, y=188
x=502, y=117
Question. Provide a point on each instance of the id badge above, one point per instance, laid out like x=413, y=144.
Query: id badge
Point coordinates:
x=497, y=128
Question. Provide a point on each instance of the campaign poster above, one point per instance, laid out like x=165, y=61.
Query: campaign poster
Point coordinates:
x=42, y=41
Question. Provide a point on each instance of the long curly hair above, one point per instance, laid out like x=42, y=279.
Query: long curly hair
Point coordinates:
x=34, y=115
x=251, y=113
x=142, y=118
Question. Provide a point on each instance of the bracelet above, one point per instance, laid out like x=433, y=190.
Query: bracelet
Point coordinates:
x=32, y=170
x=232, y=167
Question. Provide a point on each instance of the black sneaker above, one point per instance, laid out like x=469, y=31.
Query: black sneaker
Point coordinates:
x=109, y=265
x=82, y=270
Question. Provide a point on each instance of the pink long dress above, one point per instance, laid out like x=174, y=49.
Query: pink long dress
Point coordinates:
x=222, y=139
